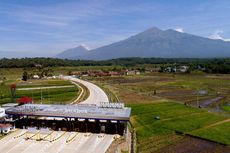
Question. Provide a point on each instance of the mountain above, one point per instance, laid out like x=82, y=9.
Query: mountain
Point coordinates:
x=73, y=52
x=161, y=43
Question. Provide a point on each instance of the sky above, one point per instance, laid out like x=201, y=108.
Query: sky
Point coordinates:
x=47, y=27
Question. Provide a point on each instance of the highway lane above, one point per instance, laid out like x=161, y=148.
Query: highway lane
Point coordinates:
x=96, y=94
x=81, y=144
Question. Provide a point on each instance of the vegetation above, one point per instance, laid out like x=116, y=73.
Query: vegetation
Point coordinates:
x=206, y=65
x=153, y=134
x=218, y=133
x=60, y=95
x=226, y=108
x=164, y=95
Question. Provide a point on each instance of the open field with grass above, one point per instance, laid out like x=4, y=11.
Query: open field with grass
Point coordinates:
x=183, y=88
x=177, y=118
x=65, y=94
x=165, y=95
x=227, y=108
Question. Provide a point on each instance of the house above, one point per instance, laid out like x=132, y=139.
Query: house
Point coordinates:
x=170, y=69
x=25, y=100
x=183, y=68
x=2, y=112
x=137, y=72
x=112, y=73
x=5, y=128
x=133, y=72
x=36, y=77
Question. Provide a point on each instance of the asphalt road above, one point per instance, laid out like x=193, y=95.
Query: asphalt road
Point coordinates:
x=96, y=94
x=80, y=144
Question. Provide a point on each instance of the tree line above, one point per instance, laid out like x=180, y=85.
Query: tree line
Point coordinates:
x=209, y=65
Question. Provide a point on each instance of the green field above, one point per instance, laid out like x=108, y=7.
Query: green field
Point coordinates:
x=60, y=95
x=226, y=108
x=153, y=134
x=176, y=118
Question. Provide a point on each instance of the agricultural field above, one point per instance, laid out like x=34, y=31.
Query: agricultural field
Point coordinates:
x=183, y=88
x=226, y=108
x=41, y=90
x=175, y=118
x=168, y=113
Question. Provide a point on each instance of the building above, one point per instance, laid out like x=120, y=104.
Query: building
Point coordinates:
x=36, y=77
x=9, y=105
x=133, y=72
x=183, y=68
x=25, y=100
x=5, y=128
x=2, y=114
x=109, y=118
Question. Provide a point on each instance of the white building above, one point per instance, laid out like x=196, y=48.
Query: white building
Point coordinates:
x=2, y=112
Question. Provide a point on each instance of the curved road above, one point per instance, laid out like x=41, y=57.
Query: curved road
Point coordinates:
x=96, y=94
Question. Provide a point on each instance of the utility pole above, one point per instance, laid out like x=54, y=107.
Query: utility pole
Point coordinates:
x=197, y=100
x=41, y=95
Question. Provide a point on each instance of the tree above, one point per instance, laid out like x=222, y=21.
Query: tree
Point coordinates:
x=24, y=76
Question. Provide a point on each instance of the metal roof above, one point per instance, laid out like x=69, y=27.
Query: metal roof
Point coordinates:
x=86, y=111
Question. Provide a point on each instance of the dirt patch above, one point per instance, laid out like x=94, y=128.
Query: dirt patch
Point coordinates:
x=194, y=145
x=212, y=101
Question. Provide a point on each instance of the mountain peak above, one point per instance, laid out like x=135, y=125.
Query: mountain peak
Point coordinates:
x=83, y=46
x=158, y=43
x=153, y=30
x=73, y=52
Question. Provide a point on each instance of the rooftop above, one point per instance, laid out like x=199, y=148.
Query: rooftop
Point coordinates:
x=115, y=112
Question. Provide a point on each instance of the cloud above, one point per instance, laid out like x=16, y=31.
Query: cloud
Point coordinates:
x=179, y=30
x=217, y=35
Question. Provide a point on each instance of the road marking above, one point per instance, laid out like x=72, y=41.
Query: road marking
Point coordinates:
x=39, y=88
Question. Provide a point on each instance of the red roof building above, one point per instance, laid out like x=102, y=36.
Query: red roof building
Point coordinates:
x=5, y=126
x=25, y=100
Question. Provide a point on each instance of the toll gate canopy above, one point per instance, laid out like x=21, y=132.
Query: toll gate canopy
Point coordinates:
x=105, y=111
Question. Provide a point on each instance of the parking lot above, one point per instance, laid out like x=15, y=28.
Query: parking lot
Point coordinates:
x=57, y=142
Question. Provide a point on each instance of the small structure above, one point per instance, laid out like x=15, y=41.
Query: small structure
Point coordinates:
x=113, y=73
x=36, y=77
x=5, y=128
x=25, y=100
x=183, y=68
x=2, y=114
x=133, y=72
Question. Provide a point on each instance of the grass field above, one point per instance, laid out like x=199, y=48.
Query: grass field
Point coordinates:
x=226, y=108
x=176, y=119
x=60, y=95
x=179, y=87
